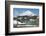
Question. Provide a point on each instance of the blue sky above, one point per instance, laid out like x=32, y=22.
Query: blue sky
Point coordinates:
x=17, y=11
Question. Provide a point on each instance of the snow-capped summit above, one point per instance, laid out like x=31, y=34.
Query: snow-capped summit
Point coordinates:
x=27, y=13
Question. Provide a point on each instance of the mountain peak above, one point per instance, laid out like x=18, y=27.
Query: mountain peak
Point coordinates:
x=28, y=13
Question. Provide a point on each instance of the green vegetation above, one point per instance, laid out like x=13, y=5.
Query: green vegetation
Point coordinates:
x=28, y=20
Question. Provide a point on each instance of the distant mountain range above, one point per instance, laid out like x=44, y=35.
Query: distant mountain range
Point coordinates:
x=27, y=13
